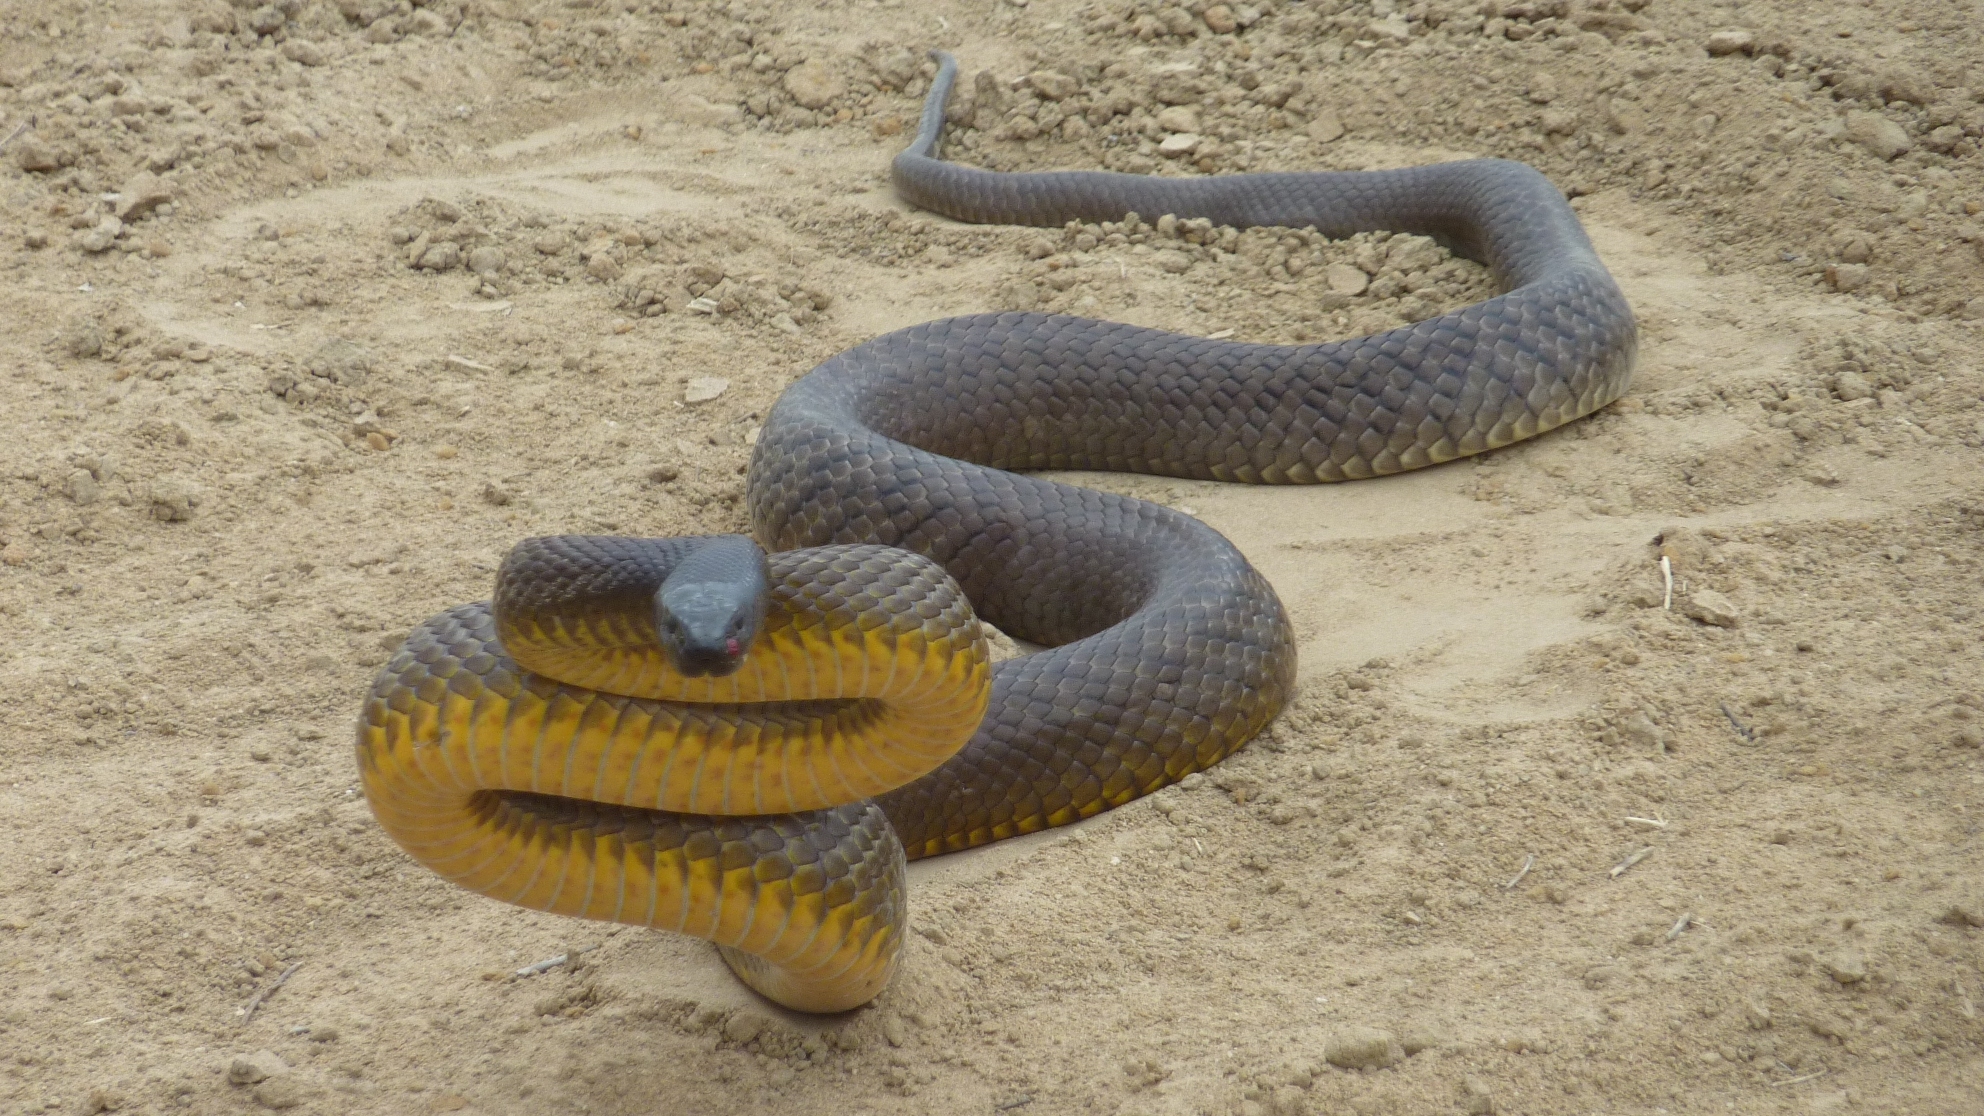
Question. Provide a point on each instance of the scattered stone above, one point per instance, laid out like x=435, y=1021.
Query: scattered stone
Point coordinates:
x=1358, y=1047
x=304, y=51
x=143, y=193
x=82, y=488
x=895, y=1031
x=1220, y=20
x=1475, y=1097
x=340, y=361
x=284, y=1091
x=1640, y=728
x=603, y=266
x=495, y=494
x=1326, y=128
x=1850, y=385
x=486, y=261
x=1052, y=84
x=1733, y=40
x=266, y=20
x=31, y=154
x=1346, y=279
x=1847, y=968
x=102, y=236
x=249, y=1069
x=172, y=500
x=1846, y=277
x=812, y=84
x=743, y=1026
x=1417, y=1040
x=705, y=388
x=1882, y=137
x=1711, y=607
x=83, y=338
x=441, y=257
x=1965, y=911
x=1174, y=261
x=1178, y=118
x=1178, y=146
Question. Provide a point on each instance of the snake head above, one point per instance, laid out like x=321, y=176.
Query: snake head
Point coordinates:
x=710, y=607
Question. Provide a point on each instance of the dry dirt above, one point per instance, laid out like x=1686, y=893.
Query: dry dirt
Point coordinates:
x=314, y=309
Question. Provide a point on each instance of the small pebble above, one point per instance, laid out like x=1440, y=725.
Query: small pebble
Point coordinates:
x=1733, y=40
x=247, y=1069
x=1846, y=277
x=1360, y=1047
x=812, y=84
x=1325, y=128
x=1052, y=84
x=1879, y=135
x=1346, y=279
x=486, y=261
x=1711, y=607
x=702, y=389
x=143, y=193
x=283, y=1091
x=1847, y=968
x=305, y=52
x=31, y=154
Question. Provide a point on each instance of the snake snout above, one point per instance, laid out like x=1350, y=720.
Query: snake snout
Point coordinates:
x=706, y=628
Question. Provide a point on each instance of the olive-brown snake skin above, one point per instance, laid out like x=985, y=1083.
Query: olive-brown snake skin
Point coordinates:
x=545, y=751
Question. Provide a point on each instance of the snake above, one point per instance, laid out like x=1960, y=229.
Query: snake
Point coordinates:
x=745, y=738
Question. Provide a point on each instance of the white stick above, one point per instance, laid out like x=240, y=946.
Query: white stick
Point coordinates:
x=1667, y=575
x=551, y=963
x=1631, y=860
x=1796, y=1080
x=1657, y=823
x=1526, y=866
x=1680, y=925
x=18, y=129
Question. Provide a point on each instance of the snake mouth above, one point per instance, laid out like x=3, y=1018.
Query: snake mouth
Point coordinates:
x=705, y=661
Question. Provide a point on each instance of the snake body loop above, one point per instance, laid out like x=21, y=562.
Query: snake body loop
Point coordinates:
x=626, y=790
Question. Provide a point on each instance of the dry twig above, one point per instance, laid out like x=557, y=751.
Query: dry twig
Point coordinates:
x=551, y=963
x=18, y=129
x=1642, y=854
x=1526, y=866
x=248, y=1012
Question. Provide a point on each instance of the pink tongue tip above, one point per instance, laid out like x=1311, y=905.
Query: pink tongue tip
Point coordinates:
x=732, y=647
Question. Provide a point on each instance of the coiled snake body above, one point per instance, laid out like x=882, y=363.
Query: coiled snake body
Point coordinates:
x=545, y=749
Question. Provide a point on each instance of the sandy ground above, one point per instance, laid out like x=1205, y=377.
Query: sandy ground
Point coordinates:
x=314, y=309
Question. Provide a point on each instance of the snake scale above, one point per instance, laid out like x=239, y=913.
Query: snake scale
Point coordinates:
x=553, y=748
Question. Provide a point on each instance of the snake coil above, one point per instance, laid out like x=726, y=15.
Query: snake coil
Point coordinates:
x=545, y=750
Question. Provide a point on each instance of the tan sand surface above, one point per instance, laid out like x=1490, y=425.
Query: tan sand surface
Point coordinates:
x=313, y=309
